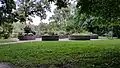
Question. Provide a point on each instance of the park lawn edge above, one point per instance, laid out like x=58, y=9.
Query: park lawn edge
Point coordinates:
x=57, y=54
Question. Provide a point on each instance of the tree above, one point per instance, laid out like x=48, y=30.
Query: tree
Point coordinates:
x=61, y=17
x=106, y=13
x=42, y=28
x=61, y=14
x=28, y=8
x=107, y=9
x=60, y=3
x=6, y=30
x=25, y=9
x=18, y=27
x=7, y=17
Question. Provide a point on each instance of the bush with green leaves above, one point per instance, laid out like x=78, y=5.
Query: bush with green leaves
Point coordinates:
x=5, y=30
x=62, y=32
x=28, y=30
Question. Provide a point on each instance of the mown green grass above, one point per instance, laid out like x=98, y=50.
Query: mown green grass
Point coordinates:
x=63, y=54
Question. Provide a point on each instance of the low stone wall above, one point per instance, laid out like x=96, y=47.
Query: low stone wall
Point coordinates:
x=26, y=37
x=63, y=36
x=79, y=37
x=38, y=36
x=50, y=38
x=94, y=36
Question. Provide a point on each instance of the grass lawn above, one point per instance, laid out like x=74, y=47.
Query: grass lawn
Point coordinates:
x=7, y=40
x=63, y=54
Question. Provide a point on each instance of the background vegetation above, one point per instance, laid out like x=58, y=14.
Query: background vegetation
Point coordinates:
x=99, y=17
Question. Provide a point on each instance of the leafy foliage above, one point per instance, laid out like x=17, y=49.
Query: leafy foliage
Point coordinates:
x=62, y=18
x=91, y=15
x=107, y=9
x=6, y=30
x=7, y=17
x=99, y=15
x=18, y=27
x=6, y=11
x=27, y=8
x=60, y=3
x=27, y=30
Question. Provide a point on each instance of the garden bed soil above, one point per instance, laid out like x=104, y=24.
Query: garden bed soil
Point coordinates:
x=94, y=36
x=38, y=36
x=50, y=38
x=27, y=37
x=63, y=36
x=79, y=37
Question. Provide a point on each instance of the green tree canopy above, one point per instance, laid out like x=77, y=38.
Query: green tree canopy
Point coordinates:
x=7, y=17
x=105, y=14
x=27, y=8
x=6, y=11
x=107, y=9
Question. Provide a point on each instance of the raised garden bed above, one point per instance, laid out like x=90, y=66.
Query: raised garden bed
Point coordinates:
x=63, y=36
x=94, y=36
x=27, y=37
x=50, y=38
x=79, y=37
x=38, y=36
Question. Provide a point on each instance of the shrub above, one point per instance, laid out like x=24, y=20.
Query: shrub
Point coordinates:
x=5, y=30
x=28, y=30
x=62, y=33
x=14, y=35
x=33, y=32
x=52, y=33
x=20, y=34
x=6, y=35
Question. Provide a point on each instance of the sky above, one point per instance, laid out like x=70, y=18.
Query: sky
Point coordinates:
x=0, y=4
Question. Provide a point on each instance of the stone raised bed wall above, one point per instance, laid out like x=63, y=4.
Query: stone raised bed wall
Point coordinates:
x=26, y=37
x=63, y=36
x=94, y=36
x=50, y=38
x=79, y=37
x=38, y=36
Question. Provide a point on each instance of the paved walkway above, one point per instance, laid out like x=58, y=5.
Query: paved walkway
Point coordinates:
x=19, y=42
x=37, y=39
